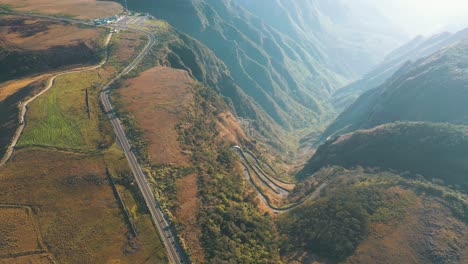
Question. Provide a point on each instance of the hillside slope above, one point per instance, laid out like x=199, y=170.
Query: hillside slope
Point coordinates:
x=31, y=49
x=432, y=89
x=287, y=71
x=396, y=194
x=269, y=67
x=30, y=46
x=436, y=151
x=415, y=49
x=181, y=128
x=353, y=37
x=368, y=216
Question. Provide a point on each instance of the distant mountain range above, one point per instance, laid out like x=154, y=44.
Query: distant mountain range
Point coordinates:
x=408, y=133
x=431, y=89
x=415, y=49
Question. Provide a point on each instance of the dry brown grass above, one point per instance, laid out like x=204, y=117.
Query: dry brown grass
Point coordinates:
x=123, y=47
x=38, y=34
x=428, y=228
x=229, y=129
x=30, y=259
x=22, y=33
x=18, y=232
x=80, y=9
x=158, y=99
x=78, y=215
x=128, y=41
x=11, y=87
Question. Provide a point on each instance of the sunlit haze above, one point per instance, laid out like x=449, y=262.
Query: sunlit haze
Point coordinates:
x=426, y=16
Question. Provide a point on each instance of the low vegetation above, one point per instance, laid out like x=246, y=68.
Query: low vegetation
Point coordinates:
x=359, y=205
x=65, y=163
x=232, y=228
x=66, y=117
x=18, y=231
x=27, y=50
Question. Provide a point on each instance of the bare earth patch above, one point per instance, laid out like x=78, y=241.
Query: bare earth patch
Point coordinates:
x=81, y=9
x=157, y=98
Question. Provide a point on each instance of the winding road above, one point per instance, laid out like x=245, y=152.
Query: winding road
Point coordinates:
x=174, y=251
x=246, y=165
x=24, y=105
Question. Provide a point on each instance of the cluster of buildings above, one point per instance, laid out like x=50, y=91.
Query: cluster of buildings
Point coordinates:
x=106, y=20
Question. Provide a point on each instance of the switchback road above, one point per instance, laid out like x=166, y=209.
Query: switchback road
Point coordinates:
x=247, y=167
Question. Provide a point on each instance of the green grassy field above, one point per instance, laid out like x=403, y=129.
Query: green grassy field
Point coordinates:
x=59, y=118
x=80, y=216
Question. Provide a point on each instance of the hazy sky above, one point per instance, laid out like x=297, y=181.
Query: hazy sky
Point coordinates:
x=426, y=16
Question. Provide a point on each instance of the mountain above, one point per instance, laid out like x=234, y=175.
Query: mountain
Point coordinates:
x=415, y=49
x=433, y=150
x=395, y=167
x=394, y=193
x=376, y=216
x=354, y=36
x=289, y=69
x=432, y=89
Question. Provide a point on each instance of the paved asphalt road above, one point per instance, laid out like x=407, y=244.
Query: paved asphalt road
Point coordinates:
x=247, y=167
x=175, y=252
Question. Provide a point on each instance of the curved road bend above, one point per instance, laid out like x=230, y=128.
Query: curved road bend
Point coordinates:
x=264, y=198
x=175, y=252
x=24, y=105
x=264, y=177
